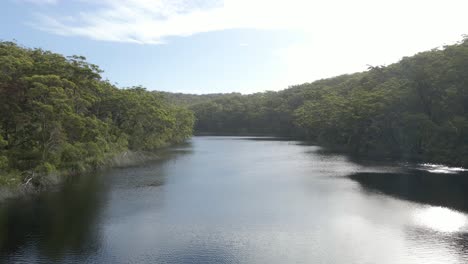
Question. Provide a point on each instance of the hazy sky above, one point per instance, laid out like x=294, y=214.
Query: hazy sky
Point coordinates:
x=207, y=46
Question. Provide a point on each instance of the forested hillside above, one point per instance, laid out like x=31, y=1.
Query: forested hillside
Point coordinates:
x=58, y=115
x=183, y=99
x=414, y=109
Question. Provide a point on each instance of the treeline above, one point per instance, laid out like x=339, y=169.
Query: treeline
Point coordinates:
x=414, y=109
x=57, y=114
x=184, y=99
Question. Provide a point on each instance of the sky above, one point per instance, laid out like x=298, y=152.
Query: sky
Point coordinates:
x=218, y=46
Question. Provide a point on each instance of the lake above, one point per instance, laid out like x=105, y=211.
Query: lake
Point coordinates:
x=245, y=200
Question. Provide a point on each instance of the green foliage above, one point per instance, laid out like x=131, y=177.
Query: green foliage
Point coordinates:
x=57, y=114
x=416, y=108
x=45, y=169
x=3, y=162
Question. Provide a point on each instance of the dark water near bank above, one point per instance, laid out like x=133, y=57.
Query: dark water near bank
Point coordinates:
x=240, y=200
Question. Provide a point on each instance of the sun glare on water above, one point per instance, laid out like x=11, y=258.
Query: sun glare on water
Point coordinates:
x=441, y=219
x=438, y=168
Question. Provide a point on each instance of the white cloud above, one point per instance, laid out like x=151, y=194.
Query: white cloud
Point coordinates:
x=341, y=35
x=151, y=21
x=361, y=33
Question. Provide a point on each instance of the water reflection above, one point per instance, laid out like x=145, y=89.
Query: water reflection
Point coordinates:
x=440, y=219
x=438, y=168
x=208, y=254
x=437, y=220
x=237, y=200
x=66, y=220
x=63, y=220
x=447, y=190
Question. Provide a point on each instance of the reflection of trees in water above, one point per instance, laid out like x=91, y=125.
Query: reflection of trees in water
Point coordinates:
x=448, y=190
x=55, y=222
x=65, y=221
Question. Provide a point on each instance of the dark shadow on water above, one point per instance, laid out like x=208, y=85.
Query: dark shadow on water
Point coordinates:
x=447, y=190
x=54, y=222
x=153, y=183
x=462, y=242
x=64, y=221
x=361, y=159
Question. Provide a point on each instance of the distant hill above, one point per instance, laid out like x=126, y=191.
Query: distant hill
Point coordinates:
x=416, y=108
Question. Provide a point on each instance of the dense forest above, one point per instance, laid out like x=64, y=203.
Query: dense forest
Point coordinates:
x=58, y=116
x=414, y=109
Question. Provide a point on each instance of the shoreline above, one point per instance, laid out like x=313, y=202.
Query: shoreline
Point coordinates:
x=132, y=158
x=45, y=182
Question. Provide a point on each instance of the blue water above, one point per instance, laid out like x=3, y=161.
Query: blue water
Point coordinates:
x=242, y=200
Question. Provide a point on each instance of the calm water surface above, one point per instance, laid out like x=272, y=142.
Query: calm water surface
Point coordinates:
x=244, y=200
